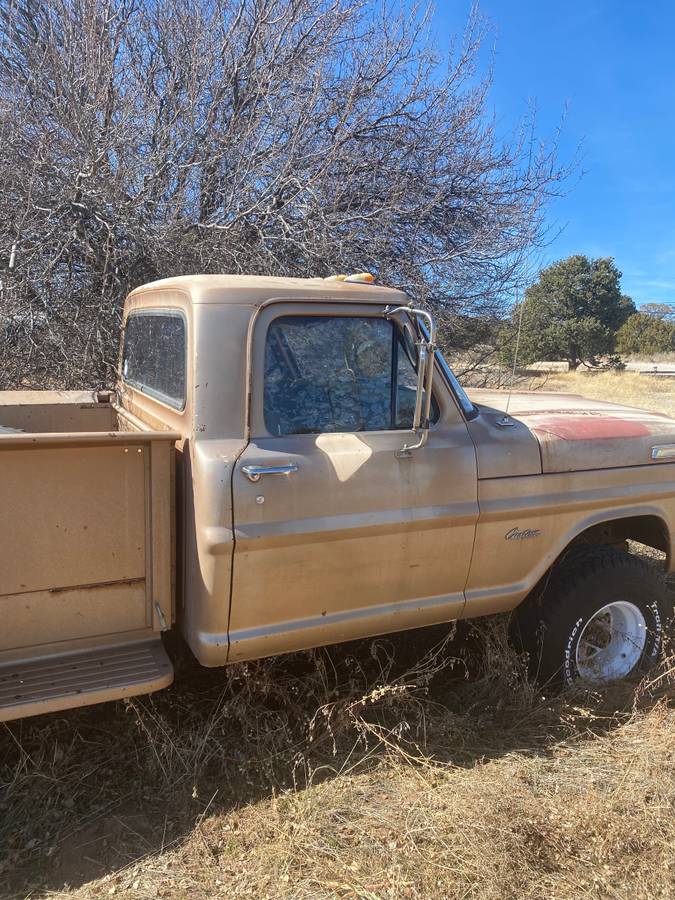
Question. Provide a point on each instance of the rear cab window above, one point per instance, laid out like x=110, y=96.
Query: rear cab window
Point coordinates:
x=155, y=353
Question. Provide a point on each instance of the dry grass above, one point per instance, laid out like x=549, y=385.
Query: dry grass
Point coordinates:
x=384, y=769
x=592, y=818
x=421, y=766
x=656, y=394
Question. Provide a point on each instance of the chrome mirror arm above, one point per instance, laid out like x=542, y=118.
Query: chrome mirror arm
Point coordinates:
x=407, y=449
x=419, y=394
x=425, y=375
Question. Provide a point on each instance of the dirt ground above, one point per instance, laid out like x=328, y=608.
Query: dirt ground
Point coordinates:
x=424, y=765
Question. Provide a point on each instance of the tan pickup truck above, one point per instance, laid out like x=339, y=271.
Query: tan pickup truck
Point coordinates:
x=288, y=463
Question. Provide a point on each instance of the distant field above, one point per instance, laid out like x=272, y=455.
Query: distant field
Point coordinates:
x=633, y=363
x=656, y=394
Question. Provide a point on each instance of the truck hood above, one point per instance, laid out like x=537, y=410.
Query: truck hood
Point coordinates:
x=575, y=433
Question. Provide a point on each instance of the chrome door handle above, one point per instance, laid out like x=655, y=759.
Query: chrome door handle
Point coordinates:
x=253, y=473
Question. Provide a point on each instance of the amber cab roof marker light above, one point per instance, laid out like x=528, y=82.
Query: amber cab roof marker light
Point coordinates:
x=361, y=278
x=357, y=277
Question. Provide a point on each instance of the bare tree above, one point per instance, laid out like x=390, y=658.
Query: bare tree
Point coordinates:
x=145, y=138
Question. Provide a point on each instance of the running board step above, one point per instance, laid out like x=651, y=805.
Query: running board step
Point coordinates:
x=68, y=680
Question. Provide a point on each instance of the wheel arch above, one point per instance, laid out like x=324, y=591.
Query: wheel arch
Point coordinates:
x=648, y=528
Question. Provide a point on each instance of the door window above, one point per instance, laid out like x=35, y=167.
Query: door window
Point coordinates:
x=337, y=374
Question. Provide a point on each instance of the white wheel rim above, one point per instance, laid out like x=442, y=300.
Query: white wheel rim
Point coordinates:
x=612, y=642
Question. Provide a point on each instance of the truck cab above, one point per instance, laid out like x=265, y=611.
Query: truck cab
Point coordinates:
x=304, y=522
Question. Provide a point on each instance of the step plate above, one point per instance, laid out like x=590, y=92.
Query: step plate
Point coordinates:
x=61, y=682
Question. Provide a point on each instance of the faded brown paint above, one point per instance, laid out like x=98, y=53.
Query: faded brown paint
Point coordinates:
x=86, y=537
x=575, y=434
x=71, y=515
x=350, y=545
x=55, y=411
x=42, y=617
x=313, y=564
x=357, y=542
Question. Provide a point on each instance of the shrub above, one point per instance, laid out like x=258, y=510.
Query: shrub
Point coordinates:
x=643, y=333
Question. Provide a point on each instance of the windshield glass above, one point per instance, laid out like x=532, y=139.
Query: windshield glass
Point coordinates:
x=468, y=408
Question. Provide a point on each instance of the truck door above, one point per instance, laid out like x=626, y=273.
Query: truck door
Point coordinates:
x=337, y=537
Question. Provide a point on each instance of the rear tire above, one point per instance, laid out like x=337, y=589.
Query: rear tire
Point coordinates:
x=598, y=617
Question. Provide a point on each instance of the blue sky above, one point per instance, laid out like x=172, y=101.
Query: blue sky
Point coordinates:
x=611, y=66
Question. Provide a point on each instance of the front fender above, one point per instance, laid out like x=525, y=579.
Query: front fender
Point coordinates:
x=548, y=512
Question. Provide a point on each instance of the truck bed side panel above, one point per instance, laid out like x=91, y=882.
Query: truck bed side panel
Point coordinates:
x=55, y=411
x=85, y=533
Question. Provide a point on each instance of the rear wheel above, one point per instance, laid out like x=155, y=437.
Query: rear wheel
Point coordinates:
x=599, y=617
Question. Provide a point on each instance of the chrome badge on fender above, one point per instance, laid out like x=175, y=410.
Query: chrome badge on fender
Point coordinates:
x=516, y=534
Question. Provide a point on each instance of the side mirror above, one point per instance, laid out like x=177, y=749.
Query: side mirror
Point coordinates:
x=426, y=347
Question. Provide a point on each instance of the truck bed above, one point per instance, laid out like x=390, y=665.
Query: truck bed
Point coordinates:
x=87, y=551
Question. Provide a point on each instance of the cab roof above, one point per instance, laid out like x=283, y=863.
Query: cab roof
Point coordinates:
x=253, y=290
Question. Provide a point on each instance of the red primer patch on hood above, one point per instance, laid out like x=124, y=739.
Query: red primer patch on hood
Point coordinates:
x=589, y=428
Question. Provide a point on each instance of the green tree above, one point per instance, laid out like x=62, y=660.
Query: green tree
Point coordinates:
x=571, y=312
x=645, y=333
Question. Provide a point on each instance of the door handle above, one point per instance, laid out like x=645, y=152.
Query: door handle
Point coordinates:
x=254, y=473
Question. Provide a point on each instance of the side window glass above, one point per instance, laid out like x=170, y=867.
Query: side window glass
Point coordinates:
x=338, y=374
x=328, y=374
x=406, y=386
x=155, y=354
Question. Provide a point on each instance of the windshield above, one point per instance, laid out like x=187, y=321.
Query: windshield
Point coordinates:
x=468, y=408
x=466, y=405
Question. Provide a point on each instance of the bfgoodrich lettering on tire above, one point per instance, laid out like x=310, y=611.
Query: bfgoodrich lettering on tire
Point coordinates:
x=599, y=617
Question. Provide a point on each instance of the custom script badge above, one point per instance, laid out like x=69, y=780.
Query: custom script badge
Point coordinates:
x=518, y=534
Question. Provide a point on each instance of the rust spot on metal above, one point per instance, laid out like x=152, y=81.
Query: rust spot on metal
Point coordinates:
x=98, y=584
x=590, y=428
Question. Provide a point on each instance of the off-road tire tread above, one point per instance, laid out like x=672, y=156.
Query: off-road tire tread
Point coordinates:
x=545, y=607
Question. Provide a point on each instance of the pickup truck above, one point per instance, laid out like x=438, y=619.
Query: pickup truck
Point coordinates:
x=287, y=463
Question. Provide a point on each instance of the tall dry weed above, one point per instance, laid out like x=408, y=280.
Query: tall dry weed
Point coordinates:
x=88, y=794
